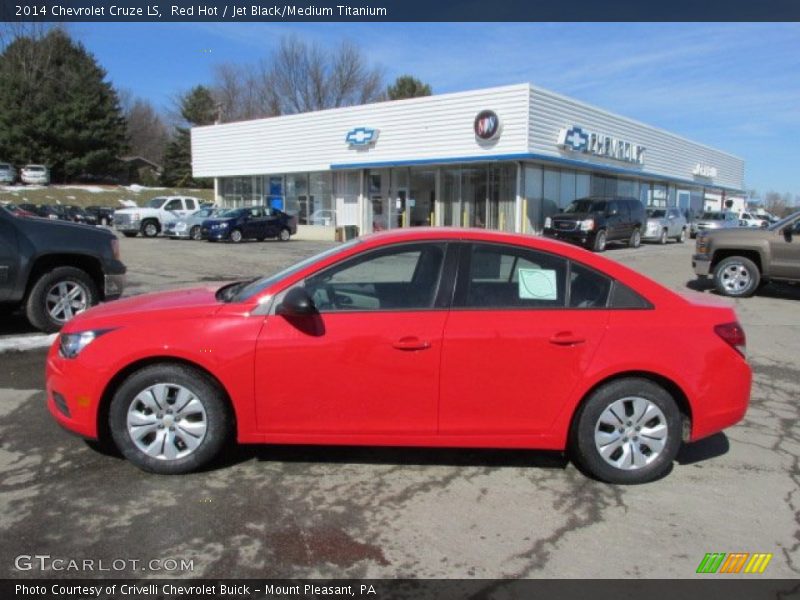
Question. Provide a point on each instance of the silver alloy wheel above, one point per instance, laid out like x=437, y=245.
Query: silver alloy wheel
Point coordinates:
x=195, y=233
x=637, y=239
x=682, y=237
x=150, y=230
x=285, y=234
x=735, y=278
x=167, y=421
x=236, y=236
x=663, y=239
x=630, y=433
x=66, y=299
x=601, y=245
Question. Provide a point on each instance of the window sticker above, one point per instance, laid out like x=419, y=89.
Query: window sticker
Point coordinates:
x=537, y=284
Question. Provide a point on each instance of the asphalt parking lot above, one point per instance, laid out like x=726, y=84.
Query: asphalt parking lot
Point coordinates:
x=365, y=512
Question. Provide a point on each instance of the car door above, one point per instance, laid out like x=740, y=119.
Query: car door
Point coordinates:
x=785, y=250
x=273, y=223
x=514, y=346
x=615, y=227
x=189, y=206
x=9, y=255
x=368, y=362
x=254, y=223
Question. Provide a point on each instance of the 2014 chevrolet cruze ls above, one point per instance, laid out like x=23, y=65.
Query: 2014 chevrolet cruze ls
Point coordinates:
x=427, y=337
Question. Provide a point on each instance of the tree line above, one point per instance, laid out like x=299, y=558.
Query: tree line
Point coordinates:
x=58, y=108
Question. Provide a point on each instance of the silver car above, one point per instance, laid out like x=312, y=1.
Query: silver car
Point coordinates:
x=664, y=224
x=8, y=174
x=714, y=220
x=188, y=228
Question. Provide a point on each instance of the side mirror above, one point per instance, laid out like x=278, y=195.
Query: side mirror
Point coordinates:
x=296, y=303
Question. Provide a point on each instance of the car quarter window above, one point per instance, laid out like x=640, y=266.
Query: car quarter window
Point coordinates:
x=587, y=288
x=499, y=276
x=173, y=205
x=399, y=278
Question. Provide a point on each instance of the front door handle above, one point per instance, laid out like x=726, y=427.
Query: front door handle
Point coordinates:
x=411, y=343
x=566, y=338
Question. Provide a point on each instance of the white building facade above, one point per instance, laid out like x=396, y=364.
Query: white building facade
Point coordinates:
x=502, y=158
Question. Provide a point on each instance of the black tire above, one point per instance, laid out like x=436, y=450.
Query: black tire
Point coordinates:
x=130, y=234
x=692, y=235
x=663, y=239
x=195, y=233
x=737, y=277
x=150, y=228
x=636, y=239
x=599, y=241
x=219, y=421
x=585, y=452
x=681, y=237
x=36, y=302
x=236, y=236
x=285, y=234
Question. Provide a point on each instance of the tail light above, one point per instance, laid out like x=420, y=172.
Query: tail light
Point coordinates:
x=733, y=334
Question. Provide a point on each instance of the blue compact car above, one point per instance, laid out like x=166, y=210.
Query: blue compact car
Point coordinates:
x=255, y=222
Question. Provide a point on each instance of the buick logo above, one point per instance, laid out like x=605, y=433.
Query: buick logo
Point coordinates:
x=487, y=125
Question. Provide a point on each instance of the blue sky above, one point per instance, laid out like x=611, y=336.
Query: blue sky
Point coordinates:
x=733, y=86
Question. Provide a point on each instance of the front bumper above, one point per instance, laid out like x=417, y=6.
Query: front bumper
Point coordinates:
x=73, y=396
x=129, y=226
x=215, y=234
x=113, y=285
x=172, y=233
x=701, y=263
x=584, y=238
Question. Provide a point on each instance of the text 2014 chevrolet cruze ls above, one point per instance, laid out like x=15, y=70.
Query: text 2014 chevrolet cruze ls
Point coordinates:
x=428, y=337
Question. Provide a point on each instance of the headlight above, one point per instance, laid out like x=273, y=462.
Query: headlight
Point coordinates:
x=586, y=224
x=548, y=223
x=71, y=344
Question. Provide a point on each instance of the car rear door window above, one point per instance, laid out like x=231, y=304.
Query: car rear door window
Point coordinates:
x=399, y=278
x=173, y=205
x=190, y=204
x=499, y=276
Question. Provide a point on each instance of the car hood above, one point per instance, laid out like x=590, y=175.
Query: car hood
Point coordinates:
x=753, y=233
x=190, y=302
x=46, y=225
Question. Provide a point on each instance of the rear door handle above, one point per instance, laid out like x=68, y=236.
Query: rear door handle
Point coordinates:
x=411, y=343
x=566, y=338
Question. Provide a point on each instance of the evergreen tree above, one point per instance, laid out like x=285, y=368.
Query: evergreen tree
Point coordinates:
x=197, y=107
x=407, y=86
x=56, y=108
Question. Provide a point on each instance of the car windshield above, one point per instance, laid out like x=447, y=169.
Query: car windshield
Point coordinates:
x=783, y=222
x=259, y=285
x=656, y=213
x=585, y=205
x=5, y=167
x=231, y=212
x=713, y=216
x=204, y=212
x=34, y=168
x=156, y=202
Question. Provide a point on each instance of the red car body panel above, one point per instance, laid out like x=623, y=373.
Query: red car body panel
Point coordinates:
x=482, y=378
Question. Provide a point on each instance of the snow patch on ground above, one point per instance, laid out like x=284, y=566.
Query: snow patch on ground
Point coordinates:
x=141, y=188
x=94, y=189
x=21, y=343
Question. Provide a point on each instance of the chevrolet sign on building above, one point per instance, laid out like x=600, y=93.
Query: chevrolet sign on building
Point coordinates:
x=577, y=139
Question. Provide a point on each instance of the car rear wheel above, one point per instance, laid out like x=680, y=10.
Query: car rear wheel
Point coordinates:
x=628, y=431
x=636, y=239
x=150, y=229
x=236, y=236
x=59, y=295
x=284, y=235
x=600, y=241
x=681, y=238
x=736, y=276
x=195, y=233
x=663, y=239
x=169, y=419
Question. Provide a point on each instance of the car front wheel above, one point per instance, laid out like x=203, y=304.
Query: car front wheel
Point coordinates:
x=236, y=236
x=59, y=295
x=169, y=419
x=628, y=431
x=600, y=241
x=150, y=229
x=636, y=239
x=681, y=238
x=284, y=235
x=736, y=276
x=195, y=233
x=663, y=239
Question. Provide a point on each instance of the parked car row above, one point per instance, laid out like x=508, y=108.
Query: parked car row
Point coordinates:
x=92, y=215
x=181, y=217
x=30, y=174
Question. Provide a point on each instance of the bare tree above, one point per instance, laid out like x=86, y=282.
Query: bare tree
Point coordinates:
x=242, y=92
x=148, y=135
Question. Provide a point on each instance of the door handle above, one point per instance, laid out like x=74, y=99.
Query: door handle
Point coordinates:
x=411, y=343
x=566, y=338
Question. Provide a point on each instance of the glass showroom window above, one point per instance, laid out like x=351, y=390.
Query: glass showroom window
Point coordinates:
x=451, y=197
x=346, y=190
x=297, y=196
x=533, y=214
x=320, y=197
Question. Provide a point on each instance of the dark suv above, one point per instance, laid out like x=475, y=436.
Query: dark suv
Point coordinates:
x=591, y=222
x=55, y=269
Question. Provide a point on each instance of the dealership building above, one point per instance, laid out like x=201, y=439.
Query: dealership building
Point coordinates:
x=501, y=158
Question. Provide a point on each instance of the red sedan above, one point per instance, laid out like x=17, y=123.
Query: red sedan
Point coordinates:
x=424, y=337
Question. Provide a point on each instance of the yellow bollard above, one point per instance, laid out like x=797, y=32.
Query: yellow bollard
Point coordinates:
x=524, y=215
x=431, y=223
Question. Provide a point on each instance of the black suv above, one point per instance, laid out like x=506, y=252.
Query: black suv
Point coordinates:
x=56, y=269
x=594, y=221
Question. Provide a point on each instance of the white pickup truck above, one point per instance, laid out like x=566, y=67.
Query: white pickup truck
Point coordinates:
x=149, y=220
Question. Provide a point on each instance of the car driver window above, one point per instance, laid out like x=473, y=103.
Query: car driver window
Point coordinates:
x=173, y=205
x=404, y=278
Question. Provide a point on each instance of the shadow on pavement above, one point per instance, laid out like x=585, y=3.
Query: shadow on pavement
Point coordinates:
x=15, y=323
x=705, y=449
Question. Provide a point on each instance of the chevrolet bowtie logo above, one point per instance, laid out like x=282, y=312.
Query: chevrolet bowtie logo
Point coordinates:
x=576, y=139
x=362, y=136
